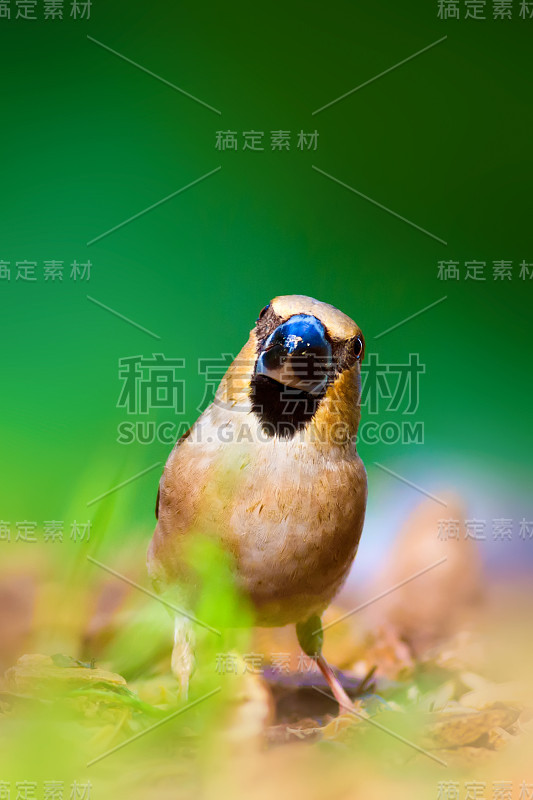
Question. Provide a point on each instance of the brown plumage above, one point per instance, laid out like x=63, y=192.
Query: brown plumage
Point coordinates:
x=271, y=470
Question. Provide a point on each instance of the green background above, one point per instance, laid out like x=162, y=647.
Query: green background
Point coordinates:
x=89, y=140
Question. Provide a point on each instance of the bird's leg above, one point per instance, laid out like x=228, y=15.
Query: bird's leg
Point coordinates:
x=182, y=661
x=345, y=704
x=311, y=639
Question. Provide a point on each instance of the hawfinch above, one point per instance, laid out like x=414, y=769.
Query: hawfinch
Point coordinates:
x=271, y=470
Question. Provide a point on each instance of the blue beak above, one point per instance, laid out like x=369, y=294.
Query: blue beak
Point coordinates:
x=297, y=354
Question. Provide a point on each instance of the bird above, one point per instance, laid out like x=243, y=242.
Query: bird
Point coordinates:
x=271, y=470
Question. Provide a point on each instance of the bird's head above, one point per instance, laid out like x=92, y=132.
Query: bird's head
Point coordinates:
x=300, y=369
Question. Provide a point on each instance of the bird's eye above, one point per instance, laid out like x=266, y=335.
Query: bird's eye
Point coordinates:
x=358, y=347
x=263, y=311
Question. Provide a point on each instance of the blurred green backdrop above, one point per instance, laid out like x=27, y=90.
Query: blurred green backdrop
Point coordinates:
x=89, y=140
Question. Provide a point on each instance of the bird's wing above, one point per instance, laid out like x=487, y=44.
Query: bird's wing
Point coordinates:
x=157, y=502
x=180, y=440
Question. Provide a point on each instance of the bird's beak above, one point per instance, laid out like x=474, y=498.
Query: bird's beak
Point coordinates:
x=297, y=354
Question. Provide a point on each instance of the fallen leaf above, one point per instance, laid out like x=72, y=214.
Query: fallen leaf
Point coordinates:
x=35, y=672
x=457, y=730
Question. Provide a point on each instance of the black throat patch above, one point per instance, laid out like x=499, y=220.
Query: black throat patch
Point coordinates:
x=282, y=410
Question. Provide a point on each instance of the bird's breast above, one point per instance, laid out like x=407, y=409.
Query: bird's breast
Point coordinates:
x=291, y=513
